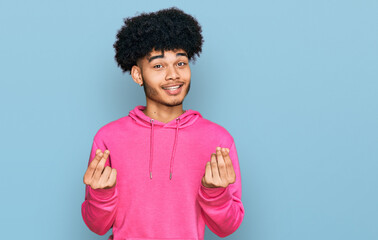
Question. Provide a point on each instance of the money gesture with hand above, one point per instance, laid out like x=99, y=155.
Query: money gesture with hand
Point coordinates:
x=97, y=176
x=219, y=171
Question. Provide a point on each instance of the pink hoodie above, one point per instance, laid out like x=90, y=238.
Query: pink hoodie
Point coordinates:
x=159, y=166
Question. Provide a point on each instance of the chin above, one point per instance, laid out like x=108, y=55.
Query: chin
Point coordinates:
x=173, y=103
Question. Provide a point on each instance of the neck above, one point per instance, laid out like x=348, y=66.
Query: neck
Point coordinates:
x=163, y=113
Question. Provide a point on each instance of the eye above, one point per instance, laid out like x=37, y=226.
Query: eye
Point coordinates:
x=181, y=64
x=158, y=66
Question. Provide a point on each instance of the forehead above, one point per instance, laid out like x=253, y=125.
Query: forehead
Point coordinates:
x=158, y=54
x=166, y=52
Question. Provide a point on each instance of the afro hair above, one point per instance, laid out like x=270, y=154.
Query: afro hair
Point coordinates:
x=167, y=29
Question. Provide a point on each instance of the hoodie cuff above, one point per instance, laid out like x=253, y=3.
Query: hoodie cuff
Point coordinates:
x=215, y=195
x=103, y=194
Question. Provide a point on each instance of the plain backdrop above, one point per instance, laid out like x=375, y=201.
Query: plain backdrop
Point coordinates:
x=294, y=82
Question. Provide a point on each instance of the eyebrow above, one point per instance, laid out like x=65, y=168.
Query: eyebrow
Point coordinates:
x=162, y=56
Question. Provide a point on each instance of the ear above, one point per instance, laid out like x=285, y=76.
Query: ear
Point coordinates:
x=136, y=74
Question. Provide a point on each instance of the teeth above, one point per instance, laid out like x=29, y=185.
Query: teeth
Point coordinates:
x=172, y=88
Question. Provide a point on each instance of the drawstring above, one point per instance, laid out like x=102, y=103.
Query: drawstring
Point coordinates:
x=174, y=149
x=151, y=146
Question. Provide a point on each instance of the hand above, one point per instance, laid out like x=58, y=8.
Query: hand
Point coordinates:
x=220, y=171
x=98, y=177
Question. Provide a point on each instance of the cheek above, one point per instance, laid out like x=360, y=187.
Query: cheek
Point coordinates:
x=186, y=75
x=154, y=78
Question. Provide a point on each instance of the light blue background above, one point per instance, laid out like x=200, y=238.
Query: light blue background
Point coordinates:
x=295, y=83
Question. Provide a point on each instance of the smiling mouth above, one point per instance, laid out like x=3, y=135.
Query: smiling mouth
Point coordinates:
x=173, y=88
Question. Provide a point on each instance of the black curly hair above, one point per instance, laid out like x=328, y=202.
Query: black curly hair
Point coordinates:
x=167, y=29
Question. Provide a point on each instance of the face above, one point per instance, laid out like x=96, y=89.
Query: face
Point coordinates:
x=161, y=74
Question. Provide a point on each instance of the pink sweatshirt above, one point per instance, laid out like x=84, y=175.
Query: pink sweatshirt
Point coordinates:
x=159, y=166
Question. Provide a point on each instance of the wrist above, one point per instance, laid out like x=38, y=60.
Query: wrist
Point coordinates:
x=213, y=191
x=102, y=193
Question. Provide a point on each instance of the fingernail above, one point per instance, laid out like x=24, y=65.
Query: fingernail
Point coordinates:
x=218, y=148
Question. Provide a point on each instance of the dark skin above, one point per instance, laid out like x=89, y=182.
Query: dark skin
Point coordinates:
x=155, y=71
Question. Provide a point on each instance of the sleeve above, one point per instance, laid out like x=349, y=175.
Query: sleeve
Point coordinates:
x=100, y=205
x=222, y=208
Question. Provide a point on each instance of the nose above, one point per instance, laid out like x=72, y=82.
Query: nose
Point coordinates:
x=172, y=73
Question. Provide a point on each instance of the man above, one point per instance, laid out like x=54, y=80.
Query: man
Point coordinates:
x=162, y=172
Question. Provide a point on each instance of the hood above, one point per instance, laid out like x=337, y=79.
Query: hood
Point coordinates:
x=184, y=120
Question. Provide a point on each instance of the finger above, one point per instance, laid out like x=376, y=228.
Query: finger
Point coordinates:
x=92, y=167
x=112, y=178
x=96, y=159
x=208, y=170
x=214, y=167
x=100, y=167
x=221, y=165
x=106, y=154
x=203, y=181
x=230, y=167
x=208, y=175
x=104, y=176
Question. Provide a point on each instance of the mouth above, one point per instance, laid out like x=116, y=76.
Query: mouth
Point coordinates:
x=174, y=90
